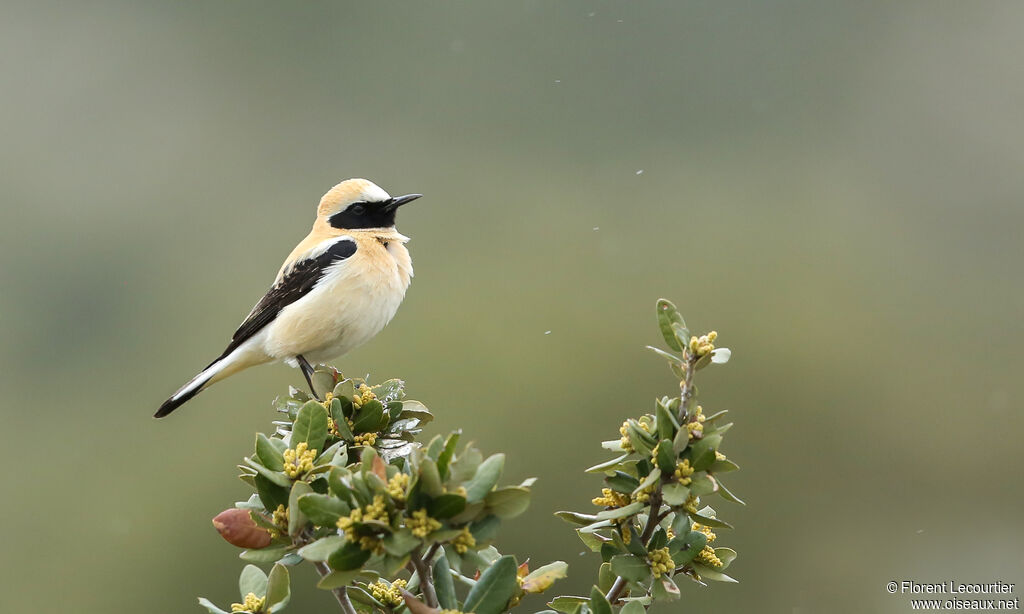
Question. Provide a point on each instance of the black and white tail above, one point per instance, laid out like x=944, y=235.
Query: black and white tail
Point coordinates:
x=197, y=384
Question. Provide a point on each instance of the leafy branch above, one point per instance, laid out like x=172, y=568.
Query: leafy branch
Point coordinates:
x=652, y=527
x=389, y=524
x=393, y=525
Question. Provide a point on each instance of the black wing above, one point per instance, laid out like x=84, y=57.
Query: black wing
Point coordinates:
x=299, y=281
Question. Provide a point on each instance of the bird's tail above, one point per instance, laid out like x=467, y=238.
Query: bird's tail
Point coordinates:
x=194, y=386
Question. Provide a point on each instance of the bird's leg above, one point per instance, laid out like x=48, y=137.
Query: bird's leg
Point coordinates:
x=307, y=370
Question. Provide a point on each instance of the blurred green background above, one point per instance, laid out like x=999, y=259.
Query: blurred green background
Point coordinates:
x=835, y=187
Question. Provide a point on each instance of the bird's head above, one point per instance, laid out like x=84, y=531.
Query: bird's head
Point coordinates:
x=356, y=204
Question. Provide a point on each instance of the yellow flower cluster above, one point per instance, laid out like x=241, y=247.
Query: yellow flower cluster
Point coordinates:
x=327, y=400
x=397, y=485
x=388, y=595
x=696, y=426
x=706, y=530
x=703, y=345
x=691, y=504
x=362, y=396
x=464, y=541
x=661, y=562
x=719, y=455
x=644, y=495
x=624, y=532
x=707, y=555
x=683, y=472
x=421, y=524
x=624, y=441
x=610, y=498
x=378, y=510
x=251, y=603
x=654, y=455
x=366, y=439
x=643, y=423
x=298, y=461
x=280, y=520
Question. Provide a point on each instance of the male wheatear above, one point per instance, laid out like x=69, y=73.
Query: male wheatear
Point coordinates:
x=337, y=289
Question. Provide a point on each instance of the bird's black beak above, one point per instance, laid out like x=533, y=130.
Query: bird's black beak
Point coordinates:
x=398, y=201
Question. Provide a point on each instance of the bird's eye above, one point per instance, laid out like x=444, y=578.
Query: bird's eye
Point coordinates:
x=357, y=209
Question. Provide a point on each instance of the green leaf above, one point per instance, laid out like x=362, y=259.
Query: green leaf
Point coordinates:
x=296, y=519
x=508, y=502
x=430, y=478
x=447, y=454
x=674, y=494
x=605, y=577
x=340, y=424
x=310, y=426
x=320, y=550
x=666, y=457
x=252, y=580
x=667, y=425
x=370, y=418
x=496, y=586
x=622, y=482
x=486, y=529
x=212, y=609
x=345, y=388
x=684, y=547
x=568, y=604
x=323, y=382
x=279, y=590
x=390, y=390
x=702, y=452
x=591, y=540
x=401, y=542
x=633, y=607
x=706, y=573
x=597, y=526
x=607, y=465
x=273, y=476
x=630, y=567
x=337, y=579
x=598, y=603
x=360, y=595
x=723, y=466
x=323, y=510
x=621, y=512
x=268, y=453
x=651, y=479
x=349, y=557
x=337, y=454
x=446, y=506
x=417, y=410
x=444, y=586
x=576, y=517
x=667, y=316
x=703, y=484
x=726, y=555
x=673, y=360
x=710, y=521
x=727, y=494
x=265, y=555
x=486, y=477
x=664, y=589
x=540, y=579
x=465, y=465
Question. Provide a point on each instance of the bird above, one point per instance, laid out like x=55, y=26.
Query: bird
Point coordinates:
x=336, y=290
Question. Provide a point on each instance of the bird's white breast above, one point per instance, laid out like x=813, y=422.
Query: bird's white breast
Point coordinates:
x=351, y=303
